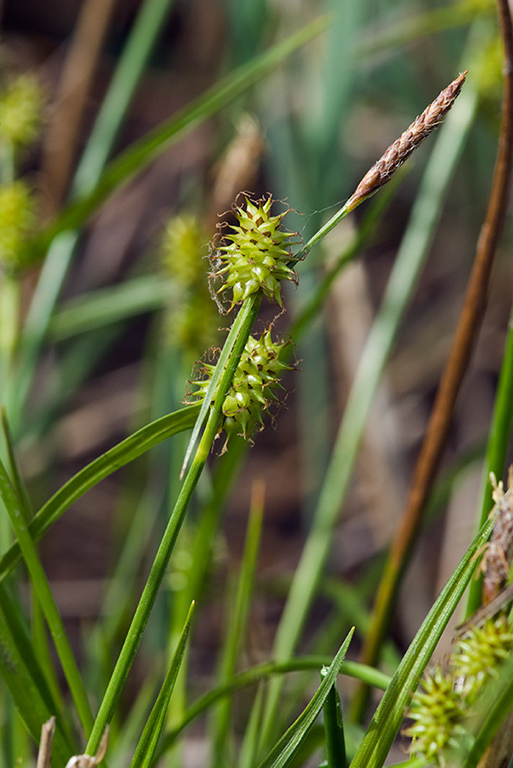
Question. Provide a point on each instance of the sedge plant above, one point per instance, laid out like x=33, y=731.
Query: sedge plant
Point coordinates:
x=229, y=400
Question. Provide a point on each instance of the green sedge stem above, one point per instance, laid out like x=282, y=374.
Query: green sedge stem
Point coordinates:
x=334, y=731
x=323, y=231
x=244, y=323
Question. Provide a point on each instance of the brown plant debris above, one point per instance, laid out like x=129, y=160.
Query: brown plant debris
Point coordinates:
x=496, y=562
x=401, y=149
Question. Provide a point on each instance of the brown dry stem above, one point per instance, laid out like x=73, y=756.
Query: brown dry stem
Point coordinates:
x=68, y=111
x=44, y=755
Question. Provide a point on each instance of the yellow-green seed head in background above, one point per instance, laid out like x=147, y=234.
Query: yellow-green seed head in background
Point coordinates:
x=17, y=220
x=183, y=248
x=21, y=107
x=253, y=256
x=192, y=317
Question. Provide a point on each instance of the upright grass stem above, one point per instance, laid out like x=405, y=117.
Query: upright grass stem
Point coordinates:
x=243, y=325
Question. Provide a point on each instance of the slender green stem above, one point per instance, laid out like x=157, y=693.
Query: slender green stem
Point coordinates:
x=366, y=228
x=151, y=589
x=334, y=730
x=324, y=230
x=143, y=756
x=46, y=600
x=269, y=669
x=243, y=323
x=220, y=369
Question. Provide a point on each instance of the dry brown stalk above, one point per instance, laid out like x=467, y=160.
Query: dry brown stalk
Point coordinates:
x=401, y=149
x=73, y=90
x=44, y=756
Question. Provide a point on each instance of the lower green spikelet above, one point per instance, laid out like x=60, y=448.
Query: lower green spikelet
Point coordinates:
x=252, y=391
x=443, y=711
x=439, y=717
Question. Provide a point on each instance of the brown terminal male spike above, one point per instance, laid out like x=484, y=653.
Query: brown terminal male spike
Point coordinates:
x=402, y=147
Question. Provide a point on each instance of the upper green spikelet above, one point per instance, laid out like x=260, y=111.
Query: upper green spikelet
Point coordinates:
x=253, y=256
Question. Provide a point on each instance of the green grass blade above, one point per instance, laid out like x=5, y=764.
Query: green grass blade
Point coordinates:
x=10, y=289
x=23, y=676
x=249, y=746
x=110, y=305
x=51, y=278
x=269, y=669
x=19, y=680
x=131, y=65
x=334, y=731
x=47, y=602
x=39, y=637
x=147, y=745
x=238, y=624
x=14, y=472
x=123, y=453
x=390, y=39
x=144, y=151
x=292, y=738
x=388, y=717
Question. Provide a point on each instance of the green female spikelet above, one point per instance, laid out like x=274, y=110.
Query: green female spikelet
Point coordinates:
x=251, y=393
x=438, y=715
x=480, y=653
x=255, y=257
x=443, y=712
